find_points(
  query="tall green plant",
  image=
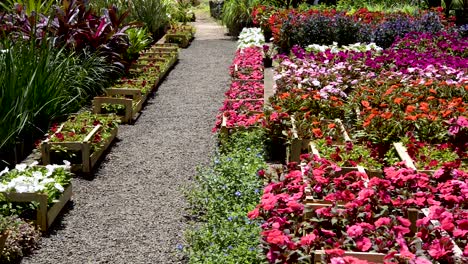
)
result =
(39, 83)
(30, 6)
(237, 15)
(152, 13)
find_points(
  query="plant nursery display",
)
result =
(82, 140)
(29, 188)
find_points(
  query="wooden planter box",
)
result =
(182, 39)
(168, 56)
(320, 256)
(298, 145)
(226, 131)
(88, 159)
(132, 111)
(45, 216)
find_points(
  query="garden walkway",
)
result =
(133, 210)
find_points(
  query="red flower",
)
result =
(253, 214)
(59, 136)
(276, 237)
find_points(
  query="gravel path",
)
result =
(133, 210)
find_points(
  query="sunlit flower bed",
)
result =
(365, 214)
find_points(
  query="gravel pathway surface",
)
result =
(133, 210)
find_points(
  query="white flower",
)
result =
(21, 167)
(3, 187)
(5, 171)
(47, 180)
(38, 175)
(67, 164)
(34, 163)
(21, 188)
(59, 187)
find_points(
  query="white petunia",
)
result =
(34, 163)
(37, 175)
(21, 167)
(59, 187)
(21, 188)
(5, 171)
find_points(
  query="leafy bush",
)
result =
(224, 194)
(151, 13)
(22, 240)
(236, 15)
(40, 83)
(139, 39)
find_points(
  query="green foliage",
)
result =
(39, 83)
(180, 11)
(351, 6)
(223, 196)
(139, 39)
(152, 13)
(22, 240)
(30, 6)
(237, 15)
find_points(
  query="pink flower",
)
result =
(363, 244)
(405, 222)
(308, 239)
(440, 248)
(253, 214)
(382, 221)
(354, 231)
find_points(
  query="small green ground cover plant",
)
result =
(224, 194)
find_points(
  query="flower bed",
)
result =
(243, 105)
(364, 215)
(46, 189)
(82, 139)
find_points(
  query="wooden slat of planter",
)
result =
(82, 146)
(135, 93)
(128, 103)
(403, 153)
(95, 156)
(294, 149)
(456, 250)
(320, 256)
(184, 39)
(45, 216)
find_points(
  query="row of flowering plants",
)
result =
(291, 27)
(418, 86)
(366, 215)
(127, 96)
(243, 105)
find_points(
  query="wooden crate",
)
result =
(45, 216)
(180, 38)
(88, 159)
(226, 131)
(132, 111)
(298, 144)
(320, 256)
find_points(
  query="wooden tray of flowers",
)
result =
(48, 206)
(90, 141)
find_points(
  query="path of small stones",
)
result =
(133, 210)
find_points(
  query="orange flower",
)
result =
(389, 91)
(304, 96)
(446, 113)
(432, 91)
(365, 104)
(386, 115)
(317, 132)
(398, 100)
(410, 109)
(411, 117)
(284, 95)
(331, 125)
(424, 107)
